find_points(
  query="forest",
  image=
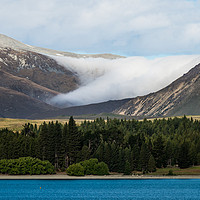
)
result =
(124, 145)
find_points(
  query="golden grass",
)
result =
(17, 124)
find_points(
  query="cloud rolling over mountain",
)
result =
(107, 79)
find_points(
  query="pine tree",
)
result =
(127, 170)
(64, 147)
(184, 159)
(84, 154)
(114, 157)
(151, 164)
(144, 157)
(159, 152)
(51, 143)
(43, 141)
(107, 154)
(73, 141)
(135, 156)
(58, 145)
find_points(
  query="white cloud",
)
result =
(104, 79)
(128, 27)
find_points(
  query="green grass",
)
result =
(177, 171)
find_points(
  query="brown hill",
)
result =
(29, 78)
(25, 86)
(14, 104)
(38, 68)
(180, 97)
(98, 108)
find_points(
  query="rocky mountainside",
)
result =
(38, 68)
(30, 78)
(179, 98)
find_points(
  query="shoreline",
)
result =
(93, 177)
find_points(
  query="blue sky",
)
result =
(125, 27)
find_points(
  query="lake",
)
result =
(100, 189)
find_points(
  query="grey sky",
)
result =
(125, 27)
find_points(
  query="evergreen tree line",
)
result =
(124, 145)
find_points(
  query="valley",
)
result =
(54, 84)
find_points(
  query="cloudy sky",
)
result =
(125, 27)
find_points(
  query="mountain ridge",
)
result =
(167, 101)
(6, 41)
(27, 73)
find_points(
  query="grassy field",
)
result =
(195, 117)
(17, 124)
(177, 171)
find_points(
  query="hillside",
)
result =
(18, 105)
(25, 86)
(30, 78)
(38, 68)
(104, 107)
(28, 73)
(9, 42)
(179, 98)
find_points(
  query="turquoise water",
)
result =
(100, 189)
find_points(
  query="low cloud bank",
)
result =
(104, 79)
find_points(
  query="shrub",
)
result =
(170, 173)
(88, 167)
(75, 170)
(26, 165)
(101, 169)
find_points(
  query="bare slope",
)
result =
(180, 97)
(104, 107)
(38, 68)
(25, 86)
(14, 104)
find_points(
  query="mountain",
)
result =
(98, 108)
(25, 86)
(18, 105)
(179, 98)
(8, 42)
(30, 78)
(38, 68)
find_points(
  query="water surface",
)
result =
(100, 189)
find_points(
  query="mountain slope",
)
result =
(38, 68)
(9, 42)
(25, 86)
(104, 107)
(17, 105)
(29, 78)
(180, 97)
